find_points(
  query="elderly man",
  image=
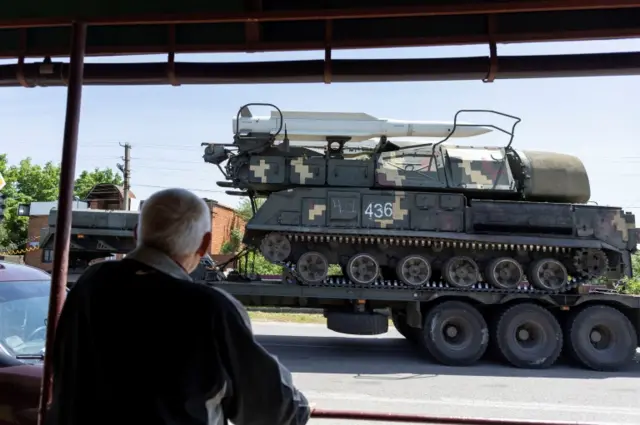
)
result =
(139, 343)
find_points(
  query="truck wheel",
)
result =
(399, 320)
(529, 336)
(455, 333)
(601, 338)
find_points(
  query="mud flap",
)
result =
(414, 315)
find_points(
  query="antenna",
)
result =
(285, 141)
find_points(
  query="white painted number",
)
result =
(377, 210)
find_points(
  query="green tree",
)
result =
(255, 261)
(244, 208)
(28, 182)
(232, 246)
(632, 286)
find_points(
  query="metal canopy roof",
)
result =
(42, 28)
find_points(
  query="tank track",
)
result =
(432, 286)
(436, 244)
(420, 242)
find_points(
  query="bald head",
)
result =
(176, 222)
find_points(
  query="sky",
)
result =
(591, 118)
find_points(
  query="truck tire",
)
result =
(528, 336)
(455, 333)
(601, 338)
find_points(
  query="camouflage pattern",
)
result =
(366, 209)
(504, 174)
(314, 212)
(264, 169)
(308, 171)
(608, 224)
(484, 169)
(413, 167)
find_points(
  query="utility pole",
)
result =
(126, 172)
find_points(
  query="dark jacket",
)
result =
(139, 343)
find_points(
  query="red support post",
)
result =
(65, 203)
(425, 419)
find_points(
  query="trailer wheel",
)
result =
(601, 338)
(455, 333)
(529, 336)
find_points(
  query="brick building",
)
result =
(224, 220)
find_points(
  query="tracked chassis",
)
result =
(308, 229)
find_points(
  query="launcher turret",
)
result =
(255, 148)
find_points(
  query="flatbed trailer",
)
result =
(599, 329)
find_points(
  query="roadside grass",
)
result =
(264, 316)
(288, 316)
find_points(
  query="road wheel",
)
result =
(601, 338)
(363, 269)
(413, 270)
(399, 319)
(275, 247)
(504, 273)
(548, 274)
(461, 272)
(529, 336)
(455, 333)
(312, 267)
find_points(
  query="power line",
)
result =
(188, 188)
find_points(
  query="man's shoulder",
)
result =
(218, 296)
(224, 303)
(98, 271)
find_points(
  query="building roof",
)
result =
(42, 28)
(226, 207)
(107, 191)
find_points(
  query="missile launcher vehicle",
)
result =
(422, 215)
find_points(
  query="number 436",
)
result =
(379, 210)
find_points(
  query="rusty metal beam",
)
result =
(568, 35)
(471, 8)
(314, 71)
(65, 202)
(252, 33)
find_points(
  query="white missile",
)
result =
(317, 126)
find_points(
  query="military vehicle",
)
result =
(419, 214)
(463, 247)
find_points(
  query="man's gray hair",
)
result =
(174, 222)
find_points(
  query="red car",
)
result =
(24, 302)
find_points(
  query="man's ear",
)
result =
(205, 245)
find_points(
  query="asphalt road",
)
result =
(383, 373)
